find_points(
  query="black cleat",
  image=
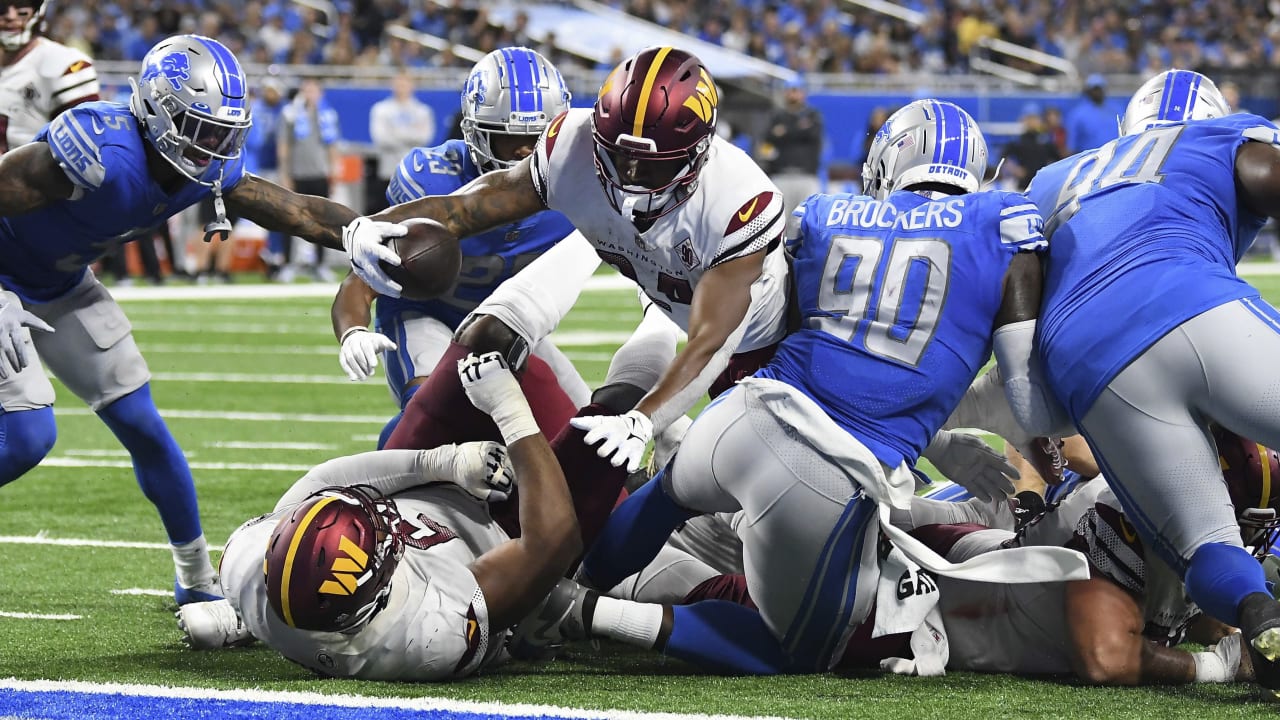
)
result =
(1260, 621)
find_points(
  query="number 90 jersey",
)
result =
(733, 211)
(898, 300)
(488, 258)
(1146, 229)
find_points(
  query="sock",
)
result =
(191, 561)
(633, 535)
(158, 462)
(390, 427)
(725, 637)
(26, 436)
(440, 413)
(1220, 576)
(627, 621)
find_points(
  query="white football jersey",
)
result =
(733, 211)
(47, 78)
(435, 625)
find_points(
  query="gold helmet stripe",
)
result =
(294, 542)
(647, 88)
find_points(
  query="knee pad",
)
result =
(487, 333)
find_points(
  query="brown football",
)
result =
(430, 258)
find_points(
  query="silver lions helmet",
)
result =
(192, 100)
(1170, 97)
(31, 13)
(928, 141)
(511, 91)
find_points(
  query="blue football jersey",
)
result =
(1145, 234)
(488, 258)
(899, 299)
(102, 150)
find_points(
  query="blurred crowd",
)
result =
(1142, 36)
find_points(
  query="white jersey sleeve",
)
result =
(49, 78)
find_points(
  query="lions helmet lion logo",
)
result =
(175, 67)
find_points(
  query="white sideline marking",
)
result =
(229, 349)
(122, 453)
(366, 438)
(443, 705)
(70, 462)
(143, 591)
(245, 445)
(245, 415)
(42, 539)
(202, 377)
(38, 616)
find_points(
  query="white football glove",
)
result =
(622, 438)
(973, 464)
(358, 355)
(484, 470)
(13, 345)
(494, 391)
(365, 243)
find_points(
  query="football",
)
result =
(430, 258)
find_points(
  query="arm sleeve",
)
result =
(388, 471)
(1033, 403)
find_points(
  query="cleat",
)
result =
(555, 620)
(204, 592)
(212, 625)
(1260, 621)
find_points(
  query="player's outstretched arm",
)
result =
(359, 347)
(1258, 177)
(310, 217)
(717, 320)
(30, 178)
(493, 199)
(518, 574)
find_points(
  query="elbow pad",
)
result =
(1033, 404)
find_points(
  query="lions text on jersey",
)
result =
(102, 151)
(898, 299)
(1177, 230)
(488, 258)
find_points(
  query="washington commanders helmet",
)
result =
(1170, 97)
(511, 91)
(653, 124)
(192, 100)
(928, 141)
(1252, 474)
(329, 562)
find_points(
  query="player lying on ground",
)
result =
(507, 101)
(816, 445)
(98, 175)
(312, 637)
(687, 216)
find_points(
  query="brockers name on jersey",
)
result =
(734, 210)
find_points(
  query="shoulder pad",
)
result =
(753, 226)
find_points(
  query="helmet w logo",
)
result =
(346, 570)
(703, 104)
(175, 67)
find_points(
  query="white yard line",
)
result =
(244, 416)
(39, 616)
(265, 291)
(146, 592)
(70, 462)
(443, 706)
(247, 445)
(42, 539)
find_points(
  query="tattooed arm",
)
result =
(313, 218)
(493, 199)
(30, 179)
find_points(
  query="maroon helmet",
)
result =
(1251, 472)
(653, 124)
(330, 561)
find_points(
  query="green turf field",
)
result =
(253, 391)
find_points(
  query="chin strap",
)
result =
(220, 228)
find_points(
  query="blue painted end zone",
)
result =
(60, 705)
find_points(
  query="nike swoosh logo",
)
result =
(97, 129)
(555, 127)
(1128, 531)
(417, 164)
(745, 215)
